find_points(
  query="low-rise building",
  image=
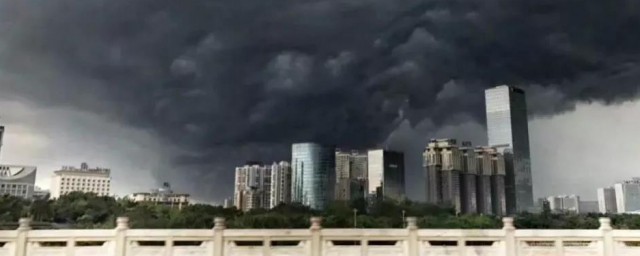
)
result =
(17, 180)
(162, 196)
(84, 179)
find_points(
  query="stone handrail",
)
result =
(317, 241)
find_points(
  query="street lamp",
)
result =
(355, 217)
(404, 223)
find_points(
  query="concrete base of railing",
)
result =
(317, 241)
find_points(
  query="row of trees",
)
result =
(80, 210)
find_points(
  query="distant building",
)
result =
(385, 174)
(313, 174)
(228, 203)
(39, 193)
(84, 179)
(607, 200)
(280, 184)
(17, 180)
(507, 129)
(161, 196)
(628, 195)
(1, 136)
(351, 172)
(252, 187)
(564, 203)
(588, 207)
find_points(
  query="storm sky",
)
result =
(183, 91)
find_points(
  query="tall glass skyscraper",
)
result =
(313, 174)
(508, 130)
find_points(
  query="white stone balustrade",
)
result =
(317, 241)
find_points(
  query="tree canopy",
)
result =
(87, 210)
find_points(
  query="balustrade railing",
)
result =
(316, 241)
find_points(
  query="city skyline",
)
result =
(183, 92)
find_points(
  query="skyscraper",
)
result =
(607, 200)
(385, 174)
(351, 172)
(252, 187)
(280, 183)
(313, 174)
(507, 129)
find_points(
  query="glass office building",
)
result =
(313, 174)
(507, 129)
(386, 174)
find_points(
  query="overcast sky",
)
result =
(184, 91)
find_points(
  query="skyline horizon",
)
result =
(41, 184)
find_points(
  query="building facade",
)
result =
(564, 203)
(351, 175)
(161, 196)
(280, 183)
(17, 180)
(507, 129)
(313, 174)
(84, 179)
(252, 187)
(607, 200)
(627, 195)
(385, 174)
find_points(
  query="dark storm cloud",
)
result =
(230, 81)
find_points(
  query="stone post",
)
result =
(607, 238)
(24, 225)
(316, 238)
(122, 225)
(412, 239)
(218, 236)
(509, 229)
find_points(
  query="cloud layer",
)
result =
(228, 81)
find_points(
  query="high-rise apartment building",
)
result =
(491, 181)
(443, 164)
(252, 187)
(607, 200)
(351, 175)
(313, 174)
(280, 183)
(84, 179)
(628, 195)
(469, 179)
(18, 181)
(507, 129)
(385, 177)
